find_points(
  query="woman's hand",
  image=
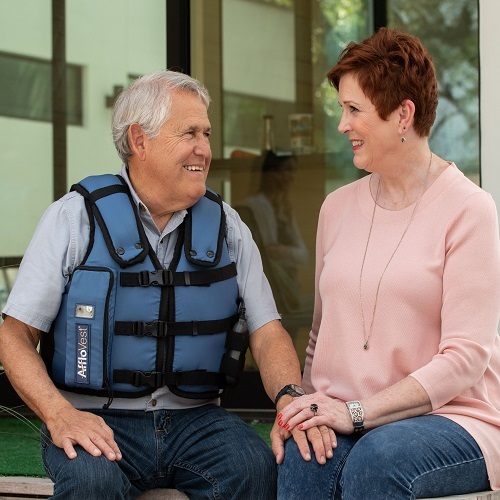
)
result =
(322, 440)
(315, 410)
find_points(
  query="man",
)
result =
(136, 402)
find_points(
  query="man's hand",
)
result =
(28, 375)
(321, 438)
(278, 437)
(72, 427)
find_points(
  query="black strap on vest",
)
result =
(159, 379)
(166, 277)
(101, 192)
(165, 329)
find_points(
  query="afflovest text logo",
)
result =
(82, 353)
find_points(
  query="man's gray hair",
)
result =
(147, 102)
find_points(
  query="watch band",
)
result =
(357, 414)
(291, 389)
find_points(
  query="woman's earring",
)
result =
(403, 138)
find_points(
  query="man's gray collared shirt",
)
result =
(59, 245)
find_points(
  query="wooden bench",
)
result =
(24, 488)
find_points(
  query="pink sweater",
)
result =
(438, 306)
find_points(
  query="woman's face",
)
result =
(372, 138)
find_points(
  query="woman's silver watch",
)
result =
(357, 414)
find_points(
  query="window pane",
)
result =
(26, 153)
(101, 58)
(336, 23)
(449, 30)
(274, 60)
(115, 42)
(26, 85)
(7, 277)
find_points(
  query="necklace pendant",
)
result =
(365, 347)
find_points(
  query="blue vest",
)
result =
(127, 326)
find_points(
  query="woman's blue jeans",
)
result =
(427, 456)
(206, 452)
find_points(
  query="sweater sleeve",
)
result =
(470, 298)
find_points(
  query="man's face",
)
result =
(176, 165)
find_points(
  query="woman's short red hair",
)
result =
(391, 66)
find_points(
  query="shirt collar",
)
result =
(174, 222)
(124, 173)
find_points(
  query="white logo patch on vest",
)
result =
(82, 353)
(84, 311)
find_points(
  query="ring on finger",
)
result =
(314, 408)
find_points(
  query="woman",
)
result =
(403, 360)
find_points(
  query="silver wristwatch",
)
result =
(292, 389)
(357, 415)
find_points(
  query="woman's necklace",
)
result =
(365, 336)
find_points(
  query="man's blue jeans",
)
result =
(206, 452)
(427, 456)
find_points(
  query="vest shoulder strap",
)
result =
(112, 207)
(205, 226)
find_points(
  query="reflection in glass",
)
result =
(270, 214)
(334, 25)
(449, 29)
(26, 84)
(7, 276)
(274, 60)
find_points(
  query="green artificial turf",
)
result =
(263, 430)
(20, 449)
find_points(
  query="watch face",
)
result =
(295, 390)
(290, 389)
(356, 411)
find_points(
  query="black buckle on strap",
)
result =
(149, 329)
(151, 379)
(163, 277)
